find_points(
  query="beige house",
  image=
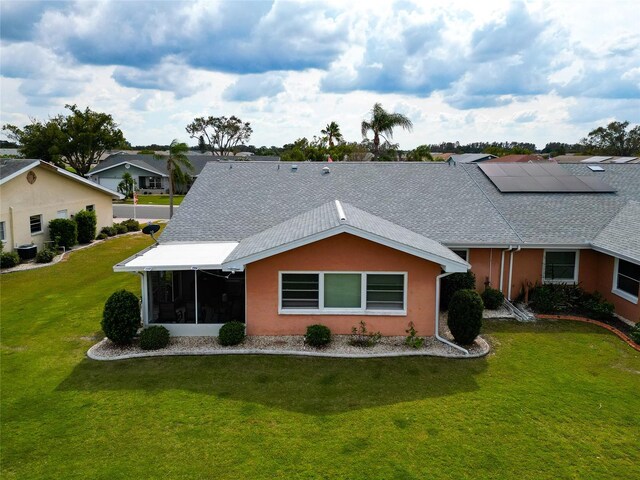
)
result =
(34, 192)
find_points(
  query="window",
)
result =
(90, 208)
(2, 232)
(343, 292)
(35, 224)
(560, 266)
(463, 253)
(154, 182)
(61, 214)
(626, 280)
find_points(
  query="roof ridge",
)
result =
(341, 215)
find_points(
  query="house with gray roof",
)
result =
(283, 246)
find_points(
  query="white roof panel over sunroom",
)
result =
(179, 256)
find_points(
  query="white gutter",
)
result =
(511, 272)
(442, 339)
(502, 265)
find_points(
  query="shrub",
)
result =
(361, 337)
(412, 339)
(595, 306)
(9, 259)
(492, 298)
(317, 336)
(132, 225)
(154, 338)
(635, 334)
(465, 316)
(121, 317)
(120, 229)
(231, 333)
(45, 256)
(86, 222)
(452, 283)
(546, 299)
(109, 231)
(63, 232)
(102, 236)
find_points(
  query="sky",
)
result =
(529, 71)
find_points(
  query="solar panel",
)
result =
(595, 159)
(541, 178)
(623, 159)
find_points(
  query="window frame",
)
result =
(465, 250)
(576, 266)
(362, 310)
(3, 231)
(90, 208)
(614, 286)
(156, 180)
(38, 232)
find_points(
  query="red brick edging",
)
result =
(576, 318)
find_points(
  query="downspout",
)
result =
(502, 264)
(143, 303)
(511, 271)
(13, 237)
(442, 339)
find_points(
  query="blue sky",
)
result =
(461, 70)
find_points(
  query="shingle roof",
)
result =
(326, 220)
(621, 236)
(454, 205)
(10, 166)
(471, 157)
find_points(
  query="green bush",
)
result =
(412, 339)
(595, 306)
(317, 336)
(45, 256)
(102, 236)
(546, 299)
(9, 259)
(361, 337)
(563, 298)
(109, 231)
(635, 334)
(231, 333)
(465, 316)
(492, 298)
(154, 338)
(120, 229)
(86, 222)
(63, 232)
(132, 225)
(121, 317)
(452, 283)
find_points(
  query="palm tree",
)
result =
(176, 162)
(331, 133)
(382, 124)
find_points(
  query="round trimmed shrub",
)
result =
(109, 231)
(231, 333)
(154, 338)
(465, 316)
(45, 256)
(452, 283)
(492, 298)
(121, 317)
(9, 259)
(102, 236)
(635, 334)
(317, 336)
(87, 223)
(120, 229)
(132, 225)
(63, 232)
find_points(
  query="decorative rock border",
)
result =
(101, 351)
(577, 318)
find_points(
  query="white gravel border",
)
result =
(106, 350)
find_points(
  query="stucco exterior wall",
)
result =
(50, 193)
(342, 252)
(604, 284)
(113, 176)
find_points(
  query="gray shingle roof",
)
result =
(326, 219)
(621, 235)
(452, 205)
(9, 166)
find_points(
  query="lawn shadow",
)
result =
(316, 386)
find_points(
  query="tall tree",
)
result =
(222, 134)
(332, 132)
(382, 124)
(614, 139)
(127, 185)
(177, 165)
(78, 139)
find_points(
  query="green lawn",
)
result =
(155, 200)
(554, 400)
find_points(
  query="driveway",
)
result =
(150, 212)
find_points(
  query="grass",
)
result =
(155, 200)
(554, 400)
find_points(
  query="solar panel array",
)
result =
(541, 178)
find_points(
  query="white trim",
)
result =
(619, 255)
(19, 172)
(128, 162)
(576, 267)
(322, 310)
(39, 232)
(448, 265)
(191, 329)
(614, 289)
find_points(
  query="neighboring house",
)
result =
(470, 157)
(284, 246)
(150, 173)
(591, 159)
(33, 192)
(530, 158)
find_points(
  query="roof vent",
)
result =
(294, 168)
(326, 170)
(341, 214)
(595, 168)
